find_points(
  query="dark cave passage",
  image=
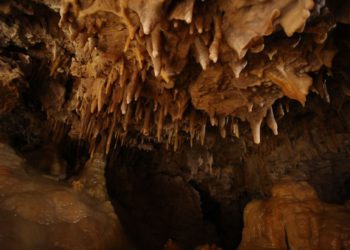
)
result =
(156, 204)
(197, 194)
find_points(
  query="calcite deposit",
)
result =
(37, 213)
(165, 69)
(178, 112)
(295, 218)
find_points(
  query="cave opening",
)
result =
(156, 204)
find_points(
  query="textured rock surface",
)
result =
(119, 84)
(221, 177)
(116, 68)
(38, 213)
(294, 218)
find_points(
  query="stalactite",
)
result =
(271, 122)
(280, 110)
(124, 104)
(238, 66)
(191, 28)
(214, 47)
(127, 117)
(138, 91)
(93, 106)
(112, 78)
(146, 121)
(129, 25)
(156, 41)
(258, 47)
(321, 87)
(326, 94)
(166, 108)
(235, 128)
(156, 61)
(199, 24)
(222, 126)
(213, 120)
(206, 38)
(117, 45)
(123, 78)
(255, 127)
(88, 132)
(271, 53)
(96, 128)
(201, 53)
(101, 95)
(91, 43)
(286, 105)
(131, 87)
(138, 111)
(139, 57)
(122, 75)
(155, 107)
(116, 99)
(250, 107)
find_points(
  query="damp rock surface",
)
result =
(39, 213)
(295, 218)
(179, 112)
(164, 70)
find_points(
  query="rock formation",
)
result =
(37, 213)
(295, 218)
(157, 106)
(164, 69)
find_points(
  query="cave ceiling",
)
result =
(163, 70)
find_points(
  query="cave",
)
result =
(174, 124)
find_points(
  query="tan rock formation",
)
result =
(38, 213)
(98, 76)
(294, 218)
(145, 66)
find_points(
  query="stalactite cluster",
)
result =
(185, 65)
(12, 80)
(94, 85)
(167, 70)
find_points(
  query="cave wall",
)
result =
(130, 83)
(40, 213)
(295, 218)
(171, 195)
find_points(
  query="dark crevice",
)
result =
(286, 239)
(211, 210)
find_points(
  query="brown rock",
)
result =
(294, 218)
